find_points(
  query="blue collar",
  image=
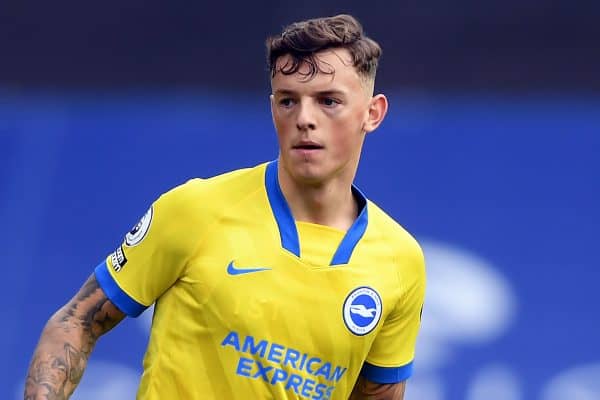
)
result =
(287, 225)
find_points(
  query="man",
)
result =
(280, 281)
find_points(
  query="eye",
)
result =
(286, 102)
(329, 101)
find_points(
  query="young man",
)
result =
(280, 281)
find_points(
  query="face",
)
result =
(321, 122)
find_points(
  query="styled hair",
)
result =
(301, 40)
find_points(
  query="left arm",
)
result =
(365, 389)
(392, 352)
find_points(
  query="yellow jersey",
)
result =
(251, 304)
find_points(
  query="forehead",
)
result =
(335, 70)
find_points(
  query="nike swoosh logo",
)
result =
(232, 270)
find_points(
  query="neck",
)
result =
(331, 203)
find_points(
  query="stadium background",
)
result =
(488, 155)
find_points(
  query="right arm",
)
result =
(66, 342)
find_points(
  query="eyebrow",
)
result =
(288, 92)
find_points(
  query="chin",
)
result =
(309, 172)
(306, 173)
(308, 177)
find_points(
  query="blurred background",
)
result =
(488, 156)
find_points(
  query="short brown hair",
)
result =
(301, 40)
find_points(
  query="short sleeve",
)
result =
(153, 255)
(390, 358)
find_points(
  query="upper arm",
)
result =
(389, 362)
(90, 310)
(390, 358)
(154, 254)
(365, 389)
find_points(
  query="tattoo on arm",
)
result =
(76, 362)
(67, 341)
(367, 390)
(91, 310)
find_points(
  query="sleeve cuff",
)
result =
(386, 374)
(115, 294)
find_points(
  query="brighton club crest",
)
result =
(362, 310)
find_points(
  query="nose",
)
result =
(305, 119)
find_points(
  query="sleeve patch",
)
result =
(139, 231)
(118, 259)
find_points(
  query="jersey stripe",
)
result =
(386, 374)
(118, 297)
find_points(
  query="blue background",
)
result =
(512, 179)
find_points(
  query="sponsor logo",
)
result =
(233, 270)
(139, 231)
(306, 375)
(118, 259)
(362, 310)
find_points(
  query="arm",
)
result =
(66, 342)
(391, 355)
(364, 389)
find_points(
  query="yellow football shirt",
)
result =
(250, 304)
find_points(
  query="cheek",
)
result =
(278, 121)
(282, 129)
(351, 119)
(343, 141)
(348, 130)
(347, 139)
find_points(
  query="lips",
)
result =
(307, 145)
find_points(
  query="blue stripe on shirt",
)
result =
(115, 294)
(386, 374)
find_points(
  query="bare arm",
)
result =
(367, 390)
(66, 342)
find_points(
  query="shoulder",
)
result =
(212, 194)
(390, 231)
(402, 245)
(188, 211)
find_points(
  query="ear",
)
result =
(377, 109)
(272, 101)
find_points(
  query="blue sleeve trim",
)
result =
(116, 295)
(386, 374)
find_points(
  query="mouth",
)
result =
(307, 146)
